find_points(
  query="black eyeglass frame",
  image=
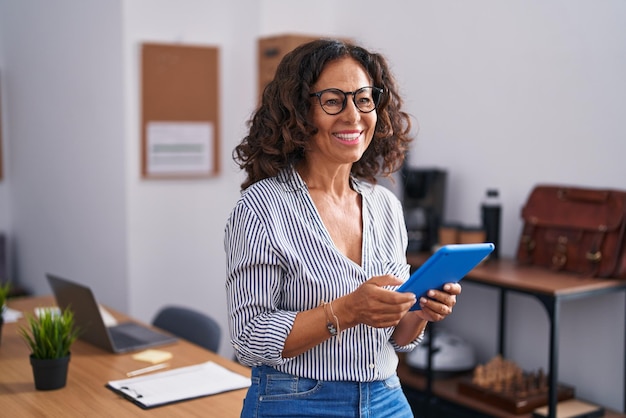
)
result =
(377, 94)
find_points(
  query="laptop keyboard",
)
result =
(130, 334)
(123, 339)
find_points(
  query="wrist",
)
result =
(343, 312)
(332, 322)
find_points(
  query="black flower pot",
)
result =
(50, 374)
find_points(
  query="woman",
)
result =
(315, 248)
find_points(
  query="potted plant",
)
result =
(5, 288)
(50, 336)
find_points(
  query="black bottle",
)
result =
(491, 212)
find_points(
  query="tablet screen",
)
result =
(449, 264)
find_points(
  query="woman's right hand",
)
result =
(374, 305)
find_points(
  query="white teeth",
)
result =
(348, 137)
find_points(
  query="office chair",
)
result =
(191, 325)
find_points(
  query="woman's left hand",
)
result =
(438, 304)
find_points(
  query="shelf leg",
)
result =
(502, 322)
(554, 342)
(552, 306)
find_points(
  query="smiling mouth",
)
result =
(348, 137)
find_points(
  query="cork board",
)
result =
(180, 111)
(1, 156)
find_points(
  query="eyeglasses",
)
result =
(333, 101)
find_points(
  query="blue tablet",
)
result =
(449, 264)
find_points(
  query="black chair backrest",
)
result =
(191, 325)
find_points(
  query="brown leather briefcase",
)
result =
(578, 230)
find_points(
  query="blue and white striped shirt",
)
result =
(282, 260)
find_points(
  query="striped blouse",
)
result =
(282, 260)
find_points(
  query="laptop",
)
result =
(119, 338)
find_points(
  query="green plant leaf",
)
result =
(50, 335)
(5, 289)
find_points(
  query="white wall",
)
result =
(506, 94)
(4, 185)
(63, 97)
(175, 228)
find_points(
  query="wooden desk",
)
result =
(90, 369)
(550, 288)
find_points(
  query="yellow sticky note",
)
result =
(153, 356)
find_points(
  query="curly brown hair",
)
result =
(280, 128)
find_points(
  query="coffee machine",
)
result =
(423, 198)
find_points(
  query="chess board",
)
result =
(502, 384)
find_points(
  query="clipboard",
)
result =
(178, 385)
(449, 264)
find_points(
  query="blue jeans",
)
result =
(277, 394)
